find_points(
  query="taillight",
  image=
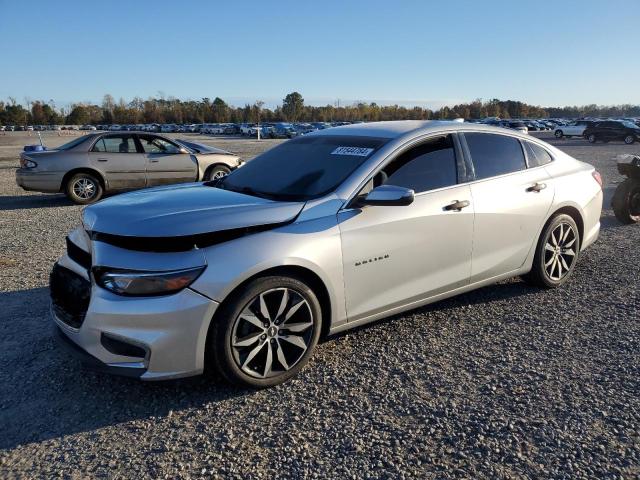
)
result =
(597, 177)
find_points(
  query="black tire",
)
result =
(626, 201)
(215, 172)
(227, 323)
(543, 259)
(559, 134)
(592, 138)
(84, 188)
(629, 139)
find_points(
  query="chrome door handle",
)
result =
(103, 159)
(458, 205)
(537, 187)
(151, 160)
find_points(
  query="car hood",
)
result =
(184, 210)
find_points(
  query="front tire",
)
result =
(629, 139)
(592, 138)
(626, 201)
(556, 253)
(559, 134)
(83, 189)
(216, 172)
(266, 333)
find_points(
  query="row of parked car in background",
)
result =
(592, 129)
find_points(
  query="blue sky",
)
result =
(408, 52)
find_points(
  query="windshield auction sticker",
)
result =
(353, 151)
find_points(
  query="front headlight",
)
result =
(135, 283)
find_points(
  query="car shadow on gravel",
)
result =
(505, 290)
(49, 394)
(23, 202)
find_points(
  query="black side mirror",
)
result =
(388, 195)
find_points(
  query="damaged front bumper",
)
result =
(151, 338)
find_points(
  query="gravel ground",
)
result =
(504, 382)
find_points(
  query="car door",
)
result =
(117, 156)
(166, 162)
(395, 255)
(510, 202)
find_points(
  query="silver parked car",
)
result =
(320, 234)
(89, 166)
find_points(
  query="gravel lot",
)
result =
(504, 382)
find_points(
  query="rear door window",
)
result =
(494, 155)
(116, 144)
(536, 155)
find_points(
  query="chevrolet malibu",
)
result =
(89, 166)
(320, 234)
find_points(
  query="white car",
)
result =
(573, 129)
(320, 234)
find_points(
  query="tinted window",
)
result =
(304, 167)
(116, 144)
(537, 155)
(73, 143)
(426, 167)
(151, 144)
(494, 155)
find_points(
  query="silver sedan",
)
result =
(320, 234)
(92, 165)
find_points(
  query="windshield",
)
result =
(302, 168)
(73, 143)
(630, 124)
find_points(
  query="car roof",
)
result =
(399, 128)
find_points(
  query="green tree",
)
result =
(293, 106)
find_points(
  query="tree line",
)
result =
(292, 109)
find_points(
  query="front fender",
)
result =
(313, 245)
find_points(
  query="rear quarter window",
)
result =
(536, 155)
(494, 155)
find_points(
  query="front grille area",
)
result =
(78, 255)
(70, 295)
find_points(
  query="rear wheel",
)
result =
(83, 188)
(216, 172)
(592, 138)
(266, 333)
(559, 134)
(556, 253)
(626, 201)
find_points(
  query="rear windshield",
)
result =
(73, 143)
(303, 168)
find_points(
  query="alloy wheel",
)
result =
(560, 251)
(272, 333)
(84, 188)
(219, 174)
(628, 139)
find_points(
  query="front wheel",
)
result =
(216, 172)
(266, 333)
(83, 188)
(556, 253)
(629, 139)
(626, 201)
(558, 134)
(592, 138)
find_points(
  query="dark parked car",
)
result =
(283, 130)
(609, 130)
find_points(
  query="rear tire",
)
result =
(559, 134)
(626, 201)
(262, 336)
(83, 189)
(556, 254)
(592, 138)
